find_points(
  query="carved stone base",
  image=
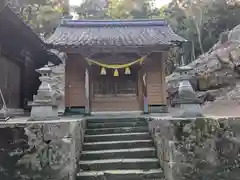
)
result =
(87, 114)
(158, 109)
(75, 110)
(46, 112)
(189, 110)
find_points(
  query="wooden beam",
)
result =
(88, 50)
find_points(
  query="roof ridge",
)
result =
(113, 22)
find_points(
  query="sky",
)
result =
(159, 3)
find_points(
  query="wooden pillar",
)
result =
(23, 88)
(141, 87)
(29, 82)
(163, 77)
(144, 87)
(87, 92)
(145, 98)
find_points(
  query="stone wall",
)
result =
(197, 148)
(37, 151)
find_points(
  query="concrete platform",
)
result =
(223, 110)
(121, 175)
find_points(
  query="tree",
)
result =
(92, 9)
(117, 9)
(42, 15)
(203, 21)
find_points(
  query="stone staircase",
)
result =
(118, 149)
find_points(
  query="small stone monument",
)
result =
(3, 110)
(44, 104)
(186, 98)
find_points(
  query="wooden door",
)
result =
(75, 83)
(114, 93)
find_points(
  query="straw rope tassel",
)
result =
(127, 70)
(103, 71)
(116, 73)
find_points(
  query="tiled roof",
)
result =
(113, 33)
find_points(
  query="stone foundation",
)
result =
(197, 149)
(41, 150)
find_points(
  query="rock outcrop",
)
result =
(215, 72)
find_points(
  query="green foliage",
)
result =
(42, 15)
(91, 9)
(203, 21)
(118, 9)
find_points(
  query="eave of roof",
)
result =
(127, 33)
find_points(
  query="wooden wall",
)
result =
(121, 103)
(75, 81)
(10, 78)
(156, 87)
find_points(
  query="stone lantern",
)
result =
(186, 98)
(44, 104)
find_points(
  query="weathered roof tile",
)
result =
(113, 33)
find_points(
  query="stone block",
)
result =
(174, 171)
(189, 111)
(169, 150)
(47, 112)
(160, 148)
(56, 130)
(164, 127)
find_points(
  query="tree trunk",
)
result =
(199, 38)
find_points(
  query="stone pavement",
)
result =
(25, 120)
(215, 110)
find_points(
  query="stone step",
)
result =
(105, 120)
(117, 137)
(116, 124)
(111, 164)
(117, 130)
(117, 145)
(119, 153)
(152, 174)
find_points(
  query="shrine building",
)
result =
(115, 65)
(21, 52)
